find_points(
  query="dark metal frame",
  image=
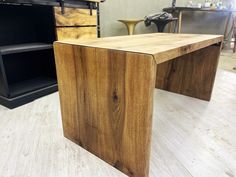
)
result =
(4, 90)
(98, 21)
(67, 3)
(173, 3)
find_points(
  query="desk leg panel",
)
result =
(192, 74)
(66, 75)
(114, 104)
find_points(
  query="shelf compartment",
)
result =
(27, 97)
(30, 85)
(19, 48)
(27, 66)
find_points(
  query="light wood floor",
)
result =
(191, 138)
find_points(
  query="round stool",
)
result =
(130, 24)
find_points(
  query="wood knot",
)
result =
(115, 97)
(186, 48)
(79, 143)
(120, 166)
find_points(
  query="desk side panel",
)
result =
(113, 104)
(67, 85)
(192, 74)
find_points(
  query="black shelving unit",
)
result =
(27, 68)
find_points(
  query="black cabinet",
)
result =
(27, 67)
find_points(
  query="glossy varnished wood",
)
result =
(75, 23)
(103, 113)
(75, 17)
(192, 74)
(76, 33)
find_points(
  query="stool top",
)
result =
(131, 20)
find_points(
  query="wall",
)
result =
(113, 10)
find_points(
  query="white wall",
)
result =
(113, 10)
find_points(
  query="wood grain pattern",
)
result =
(111, 91)
(76, 33)
(162, 46)
(112, 122)
(192, 74)
(75, 17)
(69, 105)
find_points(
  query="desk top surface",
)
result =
(163, 46)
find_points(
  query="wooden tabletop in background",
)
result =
(171, 9)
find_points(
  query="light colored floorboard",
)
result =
(32, 145)
(228, 61)
(191, 138)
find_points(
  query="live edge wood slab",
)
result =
(106, 89)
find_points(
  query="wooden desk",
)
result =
(106, 89)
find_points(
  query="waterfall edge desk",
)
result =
(106, 89)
